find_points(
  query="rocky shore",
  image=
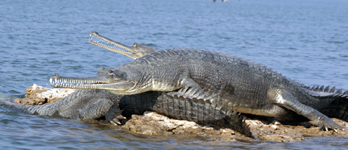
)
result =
(151, 123)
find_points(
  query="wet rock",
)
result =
(153, 124)
(273, 132)
(38, 95)
(262, 129)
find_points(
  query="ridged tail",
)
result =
(83, 104)
(91, 104)
(337, 109)
(199, 111)
(51, 110)
(337, 106)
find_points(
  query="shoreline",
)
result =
(151, 123)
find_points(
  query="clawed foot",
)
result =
(116, 120)
(114, 115)
(326, 123)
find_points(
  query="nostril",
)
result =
(55, 76)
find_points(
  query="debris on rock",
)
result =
(38, 95)
(151, 123)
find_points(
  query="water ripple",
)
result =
(304, 40)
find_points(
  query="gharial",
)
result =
(95, 103)
(218, 81)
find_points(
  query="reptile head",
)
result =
(113, 79)
(135, 51)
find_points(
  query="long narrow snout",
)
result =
(110, 45)
(76, 83)
(98, 82)
(135, 51)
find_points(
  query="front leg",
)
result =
(100, 107)
(287, 100)
(114, 115)
(95, 108)
(190, 89)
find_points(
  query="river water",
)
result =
(305, 40)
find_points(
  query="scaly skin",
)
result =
(93, 104)
(335, 102)
(332, 103)
(82, 103)
(219, 80)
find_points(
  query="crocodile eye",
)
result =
(135, 44)
(110, 72)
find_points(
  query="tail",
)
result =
(337, 101)
(40, 110)
(237, 123)
(217, 113)
(83, 104)
(338, 108)
(8, 102)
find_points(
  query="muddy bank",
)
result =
(151, 123)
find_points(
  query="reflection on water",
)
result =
(304, 40)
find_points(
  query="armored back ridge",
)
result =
(220, 80)
(92, 103)
(202, 86)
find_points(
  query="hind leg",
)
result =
(287, 100)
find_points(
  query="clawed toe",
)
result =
(335, 128)
(326, 123)
(120, 117)
(116, 120)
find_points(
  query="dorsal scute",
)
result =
(327, 89)
(166, 54)
(151, 58)
(324, 91)
(141, 60)
(316, 88)
(322, 88)
(345, 93)
(332, 90)
(339, 91)
(159, 55)
(269, 72)
(311, 88)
